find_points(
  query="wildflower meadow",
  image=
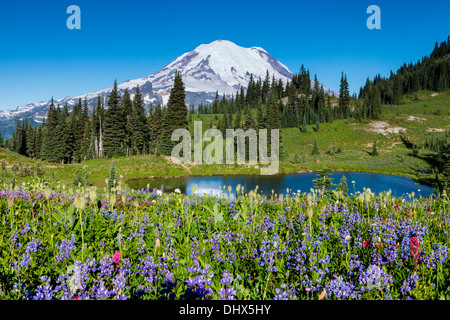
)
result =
(59, 243)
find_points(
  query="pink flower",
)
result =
(116, 257)
(379, 245)
(415, 250)
(365, 244)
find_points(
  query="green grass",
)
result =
(430, 111)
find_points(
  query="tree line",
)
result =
(122, 129)
(125, 128)
(430, 73)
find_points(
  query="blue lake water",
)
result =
(400, 186)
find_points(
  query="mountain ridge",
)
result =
(220, 66)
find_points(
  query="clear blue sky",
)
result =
(41, 58)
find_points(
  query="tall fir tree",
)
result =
(155, 123)
(114, 126)
(175, 116)
(323, 183)
(344, 97)
(127, 110)
(139, 128)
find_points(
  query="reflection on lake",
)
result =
(214, 185)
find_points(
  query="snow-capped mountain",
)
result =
(218, 66)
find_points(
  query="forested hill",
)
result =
(430, 73)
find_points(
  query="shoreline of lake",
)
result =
(377, 182)
(413, 177)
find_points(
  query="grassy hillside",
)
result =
(420, 117)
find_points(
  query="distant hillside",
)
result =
(430, 73)
(7, 126)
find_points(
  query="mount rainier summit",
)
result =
(220, 66)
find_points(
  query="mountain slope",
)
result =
(218, 66)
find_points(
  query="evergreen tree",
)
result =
(30, 136)
(446, 177)
(316, 128)
(127, 110)
(87, 145)
(155, 122)
(38, 142)
(177, 105)
(250, 98)
(397, 90)
(49, 138)
(114, 126)
(139, 128)
(273, 114)
(304, 81)
(303, 129)
(290, 114)
(260, 118)
(100, 126)
(374, 149)
(175, 116)
(215, 106)
(59, 139)
(343, 187)
(323, 183)
(237, 122)
(112, 180)
(242, 98)
(265, 88)
(163, 145)
(19, 138)
(315, 150)
(344, 97)
(249, 122)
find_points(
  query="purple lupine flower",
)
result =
(14, 239)
(440, 252)
(106, 267)
(119, 281)
(25, 260)
(410, 283)
(340, 288)
(375, 277)
(33, 246)
(283, 294)
(44, 292)
(65, 248)
(25, 228)
(227, 292)
(197, 286)
(100, 291)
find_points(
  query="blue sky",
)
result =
(41, 58)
